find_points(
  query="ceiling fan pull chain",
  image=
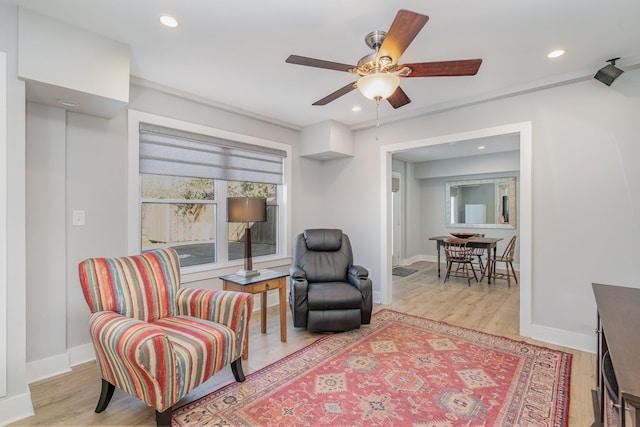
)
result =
(378, 111)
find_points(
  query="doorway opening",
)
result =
(523, 132)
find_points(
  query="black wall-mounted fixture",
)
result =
(608, 73)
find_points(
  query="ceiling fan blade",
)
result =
(403, 30)
(318, 63)
(467, 67)
(398, 98)
(337, 94)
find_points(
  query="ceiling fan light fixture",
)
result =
(378, 86)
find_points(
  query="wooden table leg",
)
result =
(438, 248)
(263, 312)
(283, 312)
(494, 257)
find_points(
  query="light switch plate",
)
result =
(78, 218)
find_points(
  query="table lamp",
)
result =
(247, 209)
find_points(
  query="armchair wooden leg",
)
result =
(105, 396)
(163, 419)
(236, 368)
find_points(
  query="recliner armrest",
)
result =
(297, 274)
(358, 272)
(359, 277)
(298, 300)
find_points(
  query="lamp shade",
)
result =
(246, 209)
(378, 85)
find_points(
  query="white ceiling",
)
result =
(233, 52)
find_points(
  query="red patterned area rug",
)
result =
(401, 370)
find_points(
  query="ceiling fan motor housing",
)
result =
(369, 64)
(374, 39)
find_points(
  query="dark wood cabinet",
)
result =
(618, 335)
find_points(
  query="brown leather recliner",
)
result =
(328, 293)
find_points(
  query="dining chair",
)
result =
(479, 254)
(507, 259)
(461, 256)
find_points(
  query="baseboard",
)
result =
(15, 408)
(408, 261)
(564, 338)
(81, 354)
(377, 297)
(47, 367)
(60, 363)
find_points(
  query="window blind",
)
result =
(165, 151)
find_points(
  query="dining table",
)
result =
(475, 242)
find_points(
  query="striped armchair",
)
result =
(156, 340)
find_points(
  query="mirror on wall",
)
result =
(481, 203)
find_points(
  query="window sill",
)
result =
(205, 272)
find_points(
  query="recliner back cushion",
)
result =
(142, 286)
(328, 262)
(322, 239)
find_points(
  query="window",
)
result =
(263, 234)
(179, 212)
(184, 180)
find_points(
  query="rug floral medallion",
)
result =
(400, 370)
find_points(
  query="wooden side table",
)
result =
(266, 281)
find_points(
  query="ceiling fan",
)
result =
(380, 72)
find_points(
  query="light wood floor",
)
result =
(70, 399)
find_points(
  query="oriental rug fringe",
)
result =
(400, 370)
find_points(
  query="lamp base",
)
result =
(248, 273)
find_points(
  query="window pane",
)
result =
(263, 234)
(252, 189)
(189, 228)
(176, 187)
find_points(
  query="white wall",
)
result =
(432, 216)
(46, 236)
(347, 204)
(472, 165)
(96, 182)
(16, 403)
(586, 193)
(3, 220)
(91, 156)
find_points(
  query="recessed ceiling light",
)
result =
(481, 147)
(356, 108)
(169, 21)
(555, 53)
(67, 103)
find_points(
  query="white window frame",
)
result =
(205, 271)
